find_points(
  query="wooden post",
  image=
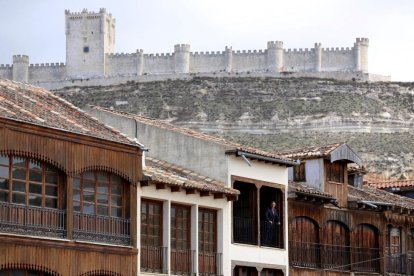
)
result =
(133, 230)
(258, 186)
(69, 207)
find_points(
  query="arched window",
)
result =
(15, 272)
(394, 251)
(365, 253)
(337, 250)
(98, 193)
(28, 182)
(304, 247)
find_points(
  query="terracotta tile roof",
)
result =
(302, 188)
(170, 174)
(392, 184)
(38, 106)
(310, 152)
(378, 197)
(232, 146)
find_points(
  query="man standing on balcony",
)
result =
(272, 221)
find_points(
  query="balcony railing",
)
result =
(270, 236)
(402, 264)
(154, 259)
(91, 227)
(245, 230)
(30, 220)
(209, 264)
(334, 257)
(182, 262)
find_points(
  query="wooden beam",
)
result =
(144, 183)
(160, 186)
(175, 189)
(190, 191)
(204, 193)
(232, 198)
(218, 195)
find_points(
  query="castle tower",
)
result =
(182, 58)
(21, 68)
(89, 37)
(361, 54)
(140, 62)
(275, 56)
(318, 57)
(228, 55)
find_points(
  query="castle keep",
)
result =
(90, 59)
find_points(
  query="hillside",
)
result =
(377, 119)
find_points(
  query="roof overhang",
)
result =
(344, 152)
(263, 158)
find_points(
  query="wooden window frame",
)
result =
(201, 232)
(335, 172)
(81, 190)
(174, 228)
(27, 182)
(299, 172)
(147, 225)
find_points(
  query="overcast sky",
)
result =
(36, 27)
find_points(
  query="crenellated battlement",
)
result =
(362, 40)
(20, 59)
(47, 65)
(6, 66)
(182, 48)
(112, 55)
(275, 45)
(337, 49)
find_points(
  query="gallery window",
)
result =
(98, 193)
(335, 172)
(28, 182)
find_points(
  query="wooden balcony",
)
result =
(33, 221)
(245, 231)
(91, 227)
(400, 264)
(182, 262)
(154, 259)
(333, 257)
(210, 264)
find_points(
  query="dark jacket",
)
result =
(270, 216)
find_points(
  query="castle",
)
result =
(90, 60)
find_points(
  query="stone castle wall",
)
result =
(90, 40)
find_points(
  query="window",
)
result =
(28, 182)
(151, 223)
(271, 272)
(245, 271)
(10, 272)
(335, 172)
(98, 193)
(86, 49)
(207, 230)
(180, 227)
(299, 172)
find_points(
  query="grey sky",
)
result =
(36, 27)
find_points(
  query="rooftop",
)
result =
(163, 172)
(392, 184)
(38, 106)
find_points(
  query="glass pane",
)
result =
(103, 210)
(4, 184)
(76, 195)
(19, 174)
(76, 206)
(51, 169)
(34, 273)
(89, 185)
(35, 188)
(4, 172)
(19, 162)
(19, 198)
(116, 200)
(36, 165)
(102, 188)
(35, 200)
(52, 178)
(17, 273)
(4, 196)
(19, 186)
(35, 175)
(51, 190)
(4, 160)
(116, 189)
(89, 175)
(102, 199)
(51, 202)
(76, 183)
(89, 196)
(88, 208)
(116, 212)
(103, 177)
(115, 179)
